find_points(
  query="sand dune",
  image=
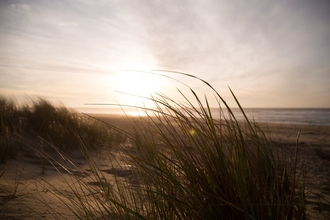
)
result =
(25, 192)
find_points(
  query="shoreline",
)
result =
(307, 116)
(133, 115)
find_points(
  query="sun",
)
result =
(137, 83)
(133, 85)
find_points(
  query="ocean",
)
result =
(311, 116)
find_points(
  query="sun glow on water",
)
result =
(137, 114)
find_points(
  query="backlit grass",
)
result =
(186, 164)
(45, 122)
(178, 162)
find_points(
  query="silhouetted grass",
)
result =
(186, 164)
(67, 129)
(181, 163)
(9, 143)
(56, 125)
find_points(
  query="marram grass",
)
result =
(187, 164)
(49, 123)
(184, 164)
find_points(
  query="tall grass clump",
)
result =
(53, 124)
(189, 164)
(8, 129)
(64, 128)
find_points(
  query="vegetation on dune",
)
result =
(186, 164)
(55, 125)
(182, 164)
(66, 129)
(8, 143)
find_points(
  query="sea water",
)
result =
(312, 116)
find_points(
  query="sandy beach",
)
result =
(27, 188)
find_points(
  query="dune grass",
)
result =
(45, 122)
(67, 129)
(9, 144)
(186, 164)
(182, 163)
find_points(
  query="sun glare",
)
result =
(136, 83)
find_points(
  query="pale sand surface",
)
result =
(35, 199)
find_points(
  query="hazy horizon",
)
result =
(310, 116)
(271, 54)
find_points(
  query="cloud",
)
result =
(69, 24)
(251, 46)
(236, 36)
(20, 7)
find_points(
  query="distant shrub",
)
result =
(62, 128)
(9, 143)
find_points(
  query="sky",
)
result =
(270, 53)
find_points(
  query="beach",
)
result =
(25, 192)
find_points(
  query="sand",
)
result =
(25, 192)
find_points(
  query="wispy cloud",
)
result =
(259, 48)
